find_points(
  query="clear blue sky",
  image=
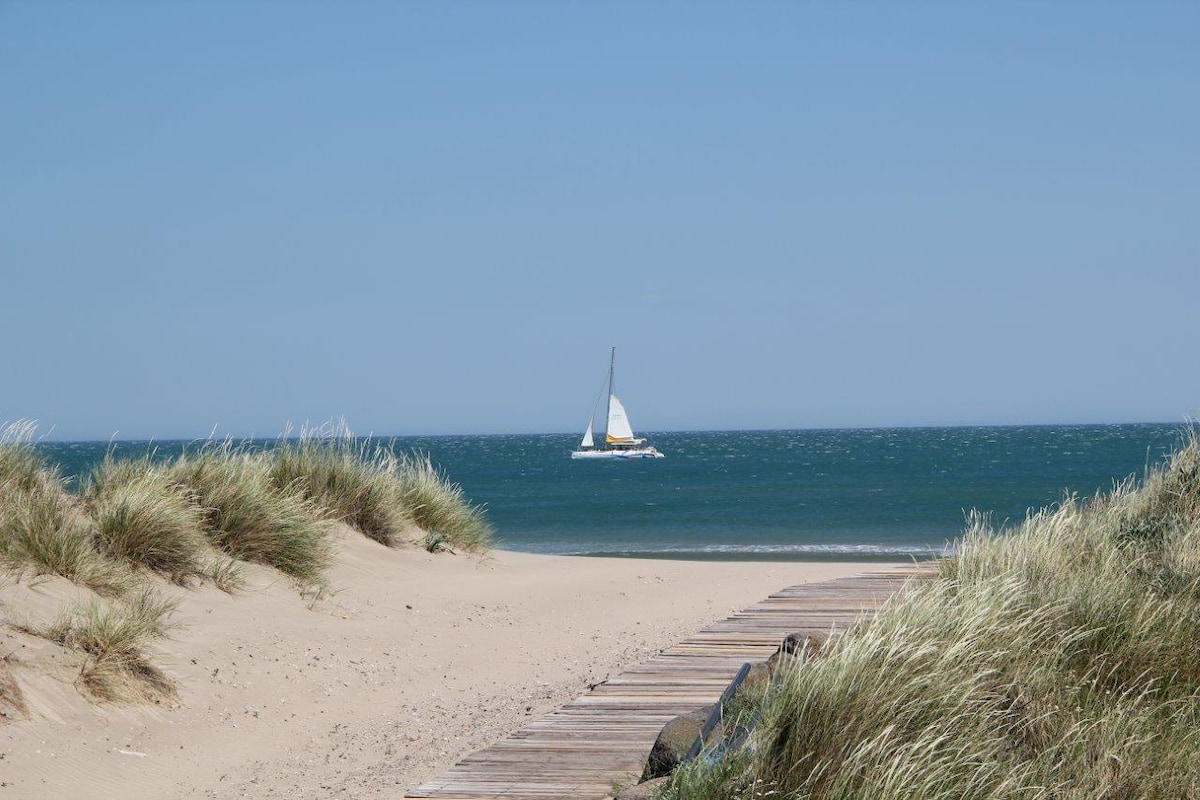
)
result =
(437, 217)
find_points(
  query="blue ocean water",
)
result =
(798, 494)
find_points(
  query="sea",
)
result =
(860, 494)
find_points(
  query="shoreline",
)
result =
(411, 662)
(768, 557)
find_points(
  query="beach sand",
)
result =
(411, 662)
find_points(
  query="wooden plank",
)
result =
(602, 738)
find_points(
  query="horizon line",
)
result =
(1183, 424)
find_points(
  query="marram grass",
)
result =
(113, 637)
(204, 514)
(1057, 660)
(22, 468)
(439, 506)
(141, 518)
(384, 496)
(207, 511)
(42, 527)
(355, 480)
(247, 516)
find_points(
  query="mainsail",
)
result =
(618, 430)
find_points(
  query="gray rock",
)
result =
(674, 741)
(810, 643)
(797, 647)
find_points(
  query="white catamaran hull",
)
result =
(641, 452)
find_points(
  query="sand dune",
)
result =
(412, 661)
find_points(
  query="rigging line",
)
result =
(596, 405)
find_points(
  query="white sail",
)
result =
(618, 431)
(587, 436)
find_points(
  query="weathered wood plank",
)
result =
(581, 750)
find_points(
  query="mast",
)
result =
(608, 411)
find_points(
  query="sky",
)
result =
(437, 218)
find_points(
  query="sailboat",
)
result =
(619, 441)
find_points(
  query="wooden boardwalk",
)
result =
(602, 739)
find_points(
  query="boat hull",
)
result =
(627, 454)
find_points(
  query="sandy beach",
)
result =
(410, 662)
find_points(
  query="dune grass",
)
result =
(140, 517)
(204, 515)
(249, 517)
(354, 479)
(226, 572)
(1057, 660)
(440, 507)
(22, 468)
(42, 527)
(273, 507)
(113, 637)
(385, 496)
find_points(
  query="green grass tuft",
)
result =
(42, 527)
(354, 479)
(22, 468)
(113, 637)
(440, 507)
(140, 517)
(226, 572)
(247, 516)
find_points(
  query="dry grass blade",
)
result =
(12, 699)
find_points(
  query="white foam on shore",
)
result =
(734, 550)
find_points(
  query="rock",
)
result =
(810, 643)
(643, 791)
(798, 646)
(674, 741)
